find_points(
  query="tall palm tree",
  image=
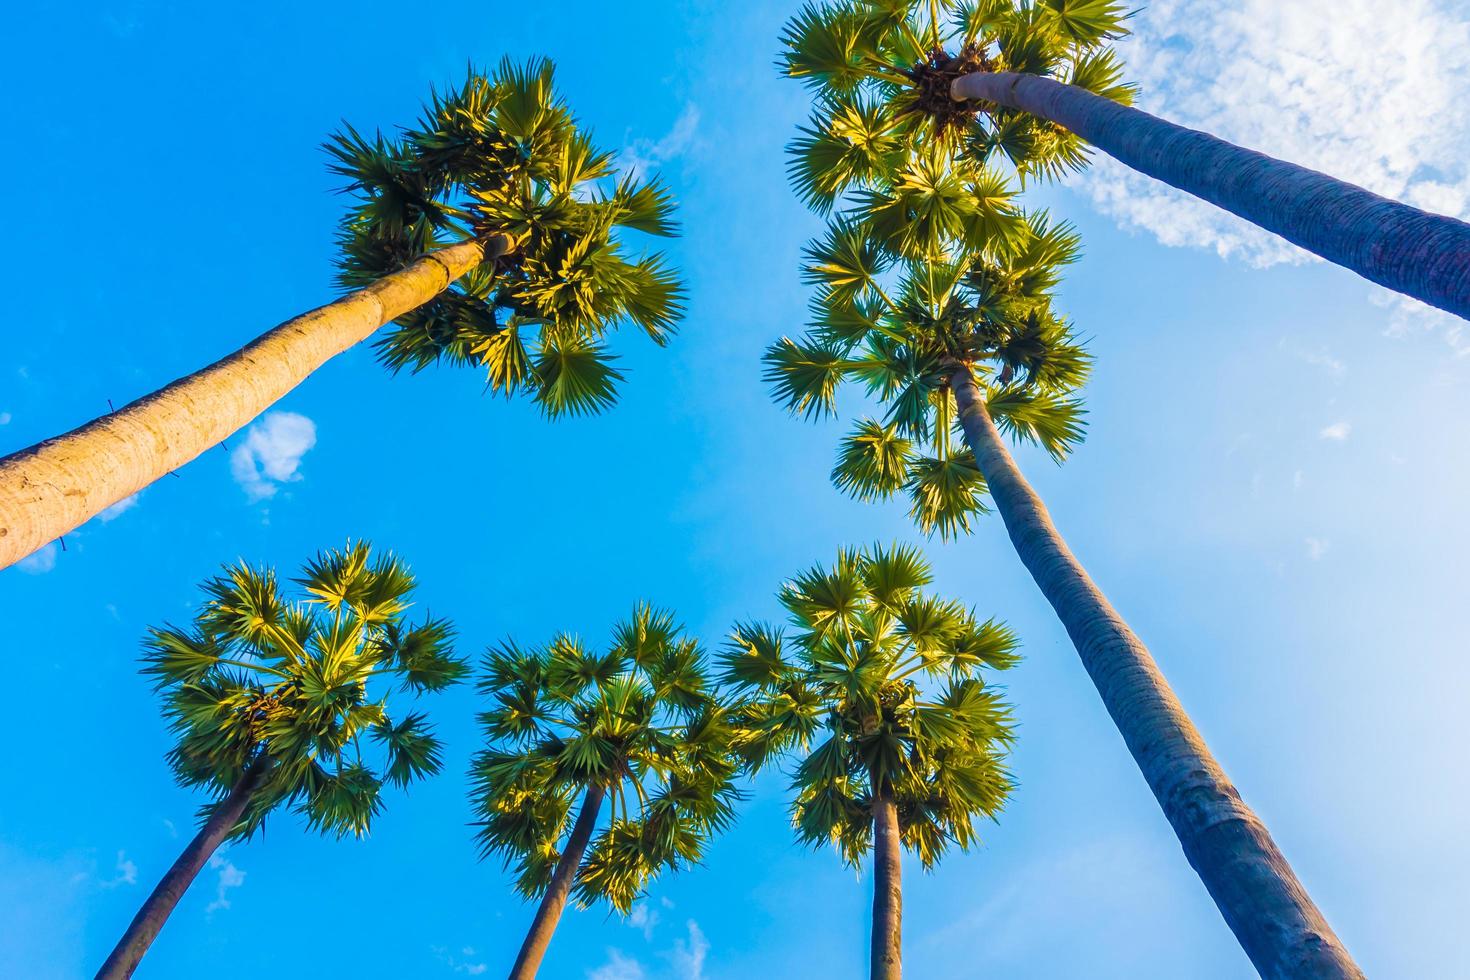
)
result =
(934, 291)
(886, 762)
(1025, 76)
(637, 727)
(270, 701)
(961, 348)
(489, 235)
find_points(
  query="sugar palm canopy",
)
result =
(896, 326)
(492, 233)
(879, 694)
(280, 703)
(637, 726)
(502, 157)
(940, 304)
(880, 73)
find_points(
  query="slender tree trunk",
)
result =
(1271, 914)
(54, 486)
(886, 958)
(1423, 255)
(156, 910)
(533, 950)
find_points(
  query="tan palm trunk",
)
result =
(1278, 925)
(548, 913)
(886, 957)
(54, 486)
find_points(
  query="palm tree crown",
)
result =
(844, 693)
(881, 72)
(260, 682)
(639, 723)
(899, 326)
(502, 155)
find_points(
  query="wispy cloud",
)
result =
(643, 919)
(619, 966)
(6, 418)
(118, 509)
(40, 561)
(271, 453)
(1336, 432)
(126, 872)
(230, 877)
(469, 965)
(688, 955)
(1317, 547)
(644, 157)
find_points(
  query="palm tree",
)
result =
(934, 291)
(637, 727)
(489, 234)
(885, 762)
(269, 699)
(1034, 79)
(967, 345)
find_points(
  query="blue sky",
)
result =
(1272, 492)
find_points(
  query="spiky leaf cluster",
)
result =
(299, 689)
(881, 71)
(898, 327)
(640, 720)
(879, 687)
(502, 155)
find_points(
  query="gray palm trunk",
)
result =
(1414, 252)
(548, 913)
(886, 958)
(160, 904)
(1275, 920)
(56, 485)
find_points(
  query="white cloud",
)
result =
(644, 156)
(688, 956)
(643, 919)
(1336, 432)
(271, 453)
(229, 877)
(127, 872)
(1373, 94)
(118, 509)
(458, 965)
(1317, 547)
(617, 967)
(40, 561)
(5, 418)
(1319, 357)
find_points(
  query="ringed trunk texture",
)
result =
(156, 910)
(1271, 914)
(886, 958)
(1419, 254)
(533, 950)
(54, 486)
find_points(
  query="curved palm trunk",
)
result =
(1423, 255)
(54, 486)
(528, 960)
(1271, 914)
(155, 911)
(886, 958)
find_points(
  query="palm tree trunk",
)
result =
(528, 961)
(156, 910)
(54, 486)
(886, 958)
(1423, 255)
(1271, 914)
